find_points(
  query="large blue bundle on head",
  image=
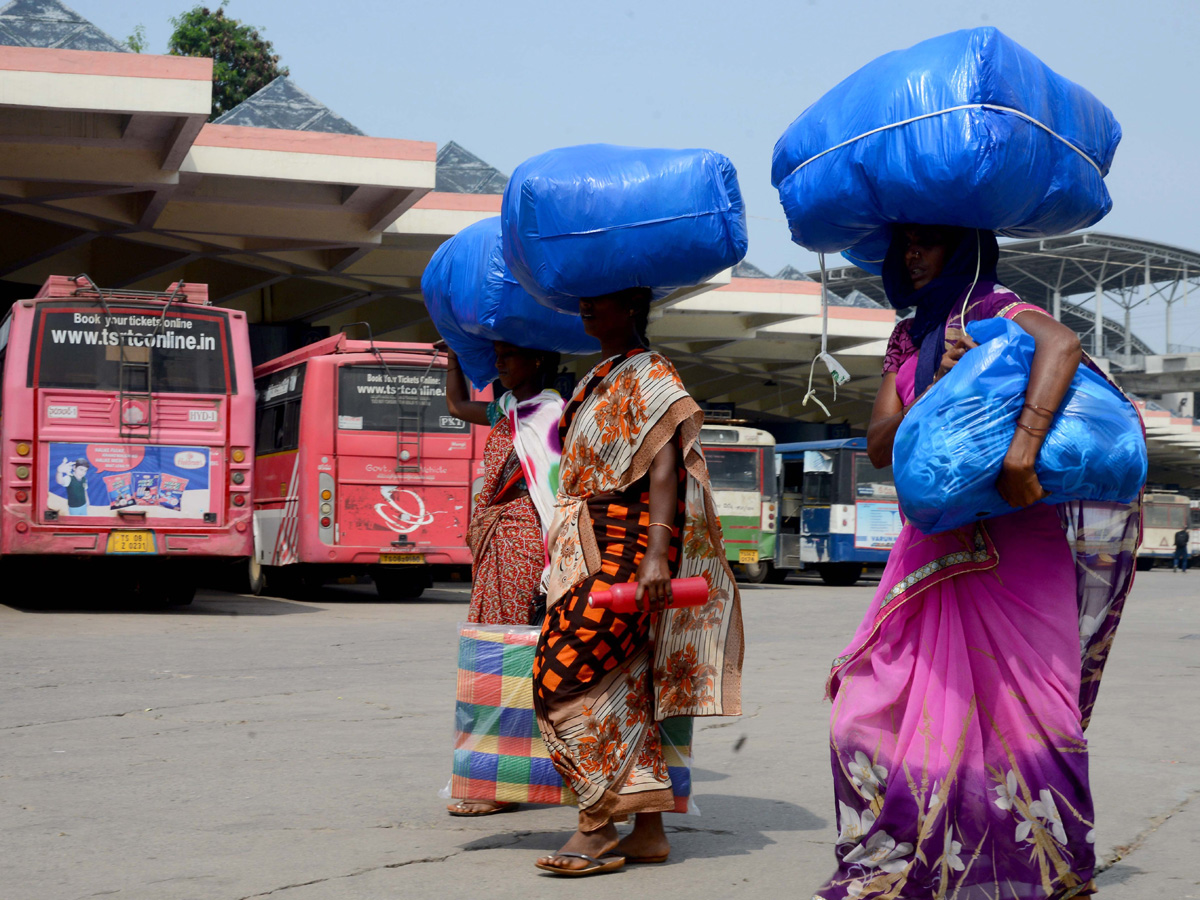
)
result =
(967, 129)
(951, 445)
(474, 300)
(594, 219)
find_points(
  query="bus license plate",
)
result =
(131, 542)
(747, 556)
(401, 559)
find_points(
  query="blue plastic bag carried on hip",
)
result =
(474, 300)
(590, 220)
(951, 445)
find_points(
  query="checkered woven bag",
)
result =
(498, 750)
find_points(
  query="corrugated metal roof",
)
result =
(52, 25)
(281, 104)
(459, 171)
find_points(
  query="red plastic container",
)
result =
(620, 599)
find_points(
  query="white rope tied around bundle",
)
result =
(942, 112)
(836, 372)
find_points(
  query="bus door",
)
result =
(815, 506)
(403, 464)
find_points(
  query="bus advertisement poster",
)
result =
(101, 479)
(877, 525)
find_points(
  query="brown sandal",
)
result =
(459, 810)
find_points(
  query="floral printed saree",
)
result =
(959, 708)
(605, 682)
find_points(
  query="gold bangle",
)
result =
(662, 525)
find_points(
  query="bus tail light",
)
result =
(22, 496)
(239, 499)
(238, 477)
(238, 455)
(23, 448)
(23, 473)
(325, 507)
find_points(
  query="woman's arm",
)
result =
(1055, 360)
(458, 394)
(886, 416)
(654, 574)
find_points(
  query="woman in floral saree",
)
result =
(957, 730)
(512, 513)
(634, 505)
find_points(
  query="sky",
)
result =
(508, 79)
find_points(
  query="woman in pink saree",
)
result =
(959, 707)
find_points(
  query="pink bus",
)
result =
(127, 424)
(359, 468)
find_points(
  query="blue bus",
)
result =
(837, 512)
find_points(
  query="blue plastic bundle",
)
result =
(589, 220)
(967, 129)
(950, 447)
(474, 300)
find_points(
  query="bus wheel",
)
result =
(777, 576)
(1145, 563)
(256, 577)
(840, 574)
(400, 583)
(181, 591)
(754, 573)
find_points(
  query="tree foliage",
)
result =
(136, 42)
(243, 62)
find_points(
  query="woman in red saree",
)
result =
(633, 505)
(507, 533)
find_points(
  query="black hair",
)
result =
(547, 370)
(637, 300)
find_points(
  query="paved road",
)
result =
(246, 747)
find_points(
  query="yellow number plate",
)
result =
(401, 559)
(747, 556)
(131, 542)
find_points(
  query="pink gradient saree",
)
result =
(959, 707)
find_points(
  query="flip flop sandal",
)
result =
(597, 867)
(471, 813)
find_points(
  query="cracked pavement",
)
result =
(252, 747)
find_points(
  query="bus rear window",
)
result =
(78, 345)
(871, 483)
(733, 470)
(408, 398)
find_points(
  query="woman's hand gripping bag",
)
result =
(590, 220)
(968, 128)
(474, 301)
(950, 447)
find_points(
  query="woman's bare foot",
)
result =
(647, 841)
(477, 807)
(592, 843)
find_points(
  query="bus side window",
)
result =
(818, 488)
(278, 428)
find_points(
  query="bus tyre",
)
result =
(400, 583)
(181, 592)
(754, 573)
(777, 576)
(256, 577)
(1145, 563)
(840, 574)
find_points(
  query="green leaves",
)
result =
(243, 62)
